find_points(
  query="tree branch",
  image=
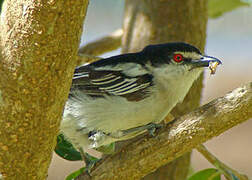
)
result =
(39, 42)
(85, 58)
(220, 165)
(90, 51)
(145, 154)
(103, 45)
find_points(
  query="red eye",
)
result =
(178, 58)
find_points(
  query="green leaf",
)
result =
(217, 7)
(66, 150)
(74, 174)
(1, 3)
(206, 174)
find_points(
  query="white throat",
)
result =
(173, 83)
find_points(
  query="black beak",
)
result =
(205, 61)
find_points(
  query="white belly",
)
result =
(112, 114)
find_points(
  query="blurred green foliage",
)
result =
(1, 2)
(206, 174)
(74, 174)
(216, 8)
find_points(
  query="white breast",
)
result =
(173, 88)
(114, 113)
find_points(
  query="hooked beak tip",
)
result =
(210, 59)
(205, 61)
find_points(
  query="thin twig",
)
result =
(84, 58)
(103, 45)
(90, 52)
(219, 165)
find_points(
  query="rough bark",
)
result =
(150, 22)
(145, 154)
(39, 43)
(177, 169)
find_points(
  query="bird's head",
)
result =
(177, 59)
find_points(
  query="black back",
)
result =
(157, 54)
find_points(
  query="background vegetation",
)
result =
(227, 41)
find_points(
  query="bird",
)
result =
(120, 97)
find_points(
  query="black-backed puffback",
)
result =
(119, 97)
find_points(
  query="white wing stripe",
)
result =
(133, 86)
(80, 76)
(106, 77)
(128, 86)
(115, 86)
(143, 85)
(105, 82)
(129, 90)
(118, 86)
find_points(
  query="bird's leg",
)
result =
(151, 127)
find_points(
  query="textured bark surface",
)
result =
(151, 22)
(145, 154)
(177, 169)
(39, 43)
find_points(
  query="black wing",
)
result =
(100, 82)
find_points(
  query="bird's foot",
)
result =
(152, 127)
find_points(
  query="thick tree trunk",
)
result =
(150, 22)
(39, 43)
